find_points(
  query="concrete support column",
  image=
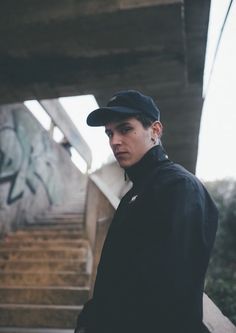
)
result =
(98, 215)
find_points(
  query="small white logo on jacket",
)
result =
(133, 199)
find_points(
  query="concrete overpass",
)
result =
(59, 48)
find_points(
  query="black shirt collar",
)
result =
(138, 172)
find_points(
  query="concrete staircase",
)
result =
(44, 275)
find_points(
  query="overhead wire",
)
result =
(218, 46)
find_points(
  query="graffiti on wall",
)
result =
(26, 157)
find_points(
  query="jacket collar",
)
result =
(138, 172)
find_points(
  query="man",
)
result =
(153, 263)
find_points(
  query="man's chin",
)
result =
(124, 164)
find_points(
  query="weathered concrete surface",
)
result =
(36, 173)
(42, 265)
(60, 48)
(99, 212)
(42, 316)
(68, 128)
(112, 176)
(50, 295)
(214, 319)
(44, 295)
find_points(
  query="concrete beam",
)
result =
(61, 57)
(60, 48)
(39, 11)
(66, 125)
(196, 17)
(95, 35)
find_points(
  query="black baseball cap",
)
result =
(126, 102)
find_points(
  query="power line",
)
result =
(218, 45)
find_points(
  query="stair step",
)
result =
(57, 221)
(45, 231)
(47, 236)
(67, 223)
(44, 279)
(32, 265)
(54, 225)
(34, 330)
(44, 275)
(40, 253)
(17, 243)
(44, 234)
(39, 316)
(60, 216)
(44, 295)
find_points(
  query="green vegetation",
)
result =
(221, 275)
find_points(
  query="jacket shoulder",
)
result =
(174, 173)
(174, 176)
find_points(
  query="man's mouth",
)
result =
(120, 154)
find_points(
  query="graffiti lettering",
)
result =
(25, 156)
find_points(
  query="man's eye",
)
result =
(125, 130)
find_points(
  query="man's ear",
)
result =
(157, 129)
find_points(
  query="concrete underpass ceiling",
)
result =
(58, 48)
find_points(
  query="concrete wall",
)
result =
(113, 177)
(36, 173)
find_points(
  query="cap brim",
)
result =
(101, 116)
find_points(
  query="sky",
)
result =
(78, 107)
(217, 138)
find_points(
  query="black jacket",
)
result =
(152, 268)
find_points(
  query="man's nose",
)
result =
(115, 140)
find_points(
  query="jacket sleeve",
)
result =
(171, 271)
(85, 317)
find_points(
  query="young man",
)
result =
(152, 268)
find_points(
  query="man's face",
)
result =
(129, 140)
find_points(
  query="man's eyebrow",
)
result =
(123, 123)
(119, 125)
